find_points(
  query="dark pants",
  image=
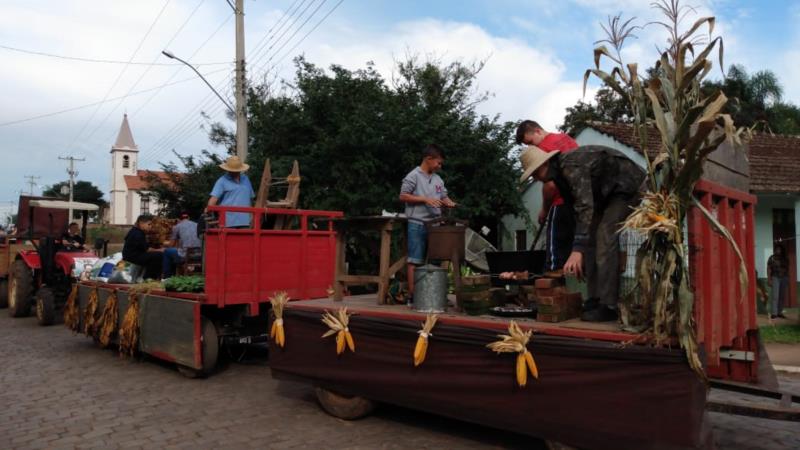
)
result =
(602, 256)
(151, 262)
(780, 286)
(560, 233)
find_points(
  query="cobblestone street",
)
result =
(61, 391)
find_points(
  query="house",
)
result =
(771, 172)
(130, 194)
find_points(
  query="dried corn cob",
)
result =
(421, 349)
(516, 341)
(277, 332)
(338, 326)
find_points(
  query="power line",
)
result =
(122, 72)
(89, 105)
(31, 181)
(102, 61)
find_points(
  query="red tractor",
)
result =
(43, 271)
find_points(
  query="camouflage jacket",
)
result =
(587, 177)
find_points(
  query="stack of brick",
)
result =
(554, 302)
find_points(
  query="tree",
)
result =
(356, 136)
(608, 106)
(85, 192)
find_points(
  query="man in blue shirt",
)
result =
(233, 189)
(183, 239)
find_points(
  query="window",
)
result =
(145, 205)
(126, 161)
(521, 239)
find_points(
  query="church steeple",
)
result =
(125, 137)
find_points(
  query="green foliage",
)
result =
(781, 334)
(608, 107)
(356, 136)
(85, 192)
(188, 283)
(189, 186)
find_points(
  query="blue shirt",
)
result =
(233, 193)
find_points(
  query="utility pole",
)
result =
(72, 174)
(240, 86)
(31, 181)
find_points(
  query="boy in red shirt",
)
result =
(558, 216)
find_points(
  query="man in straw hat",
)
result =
(233, 189)
(602, 185)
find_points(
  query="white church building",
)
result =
(129, 187)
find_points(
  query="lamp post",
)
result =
(225, 102)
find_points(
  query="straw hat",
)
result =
(532, 158)
(234, 164)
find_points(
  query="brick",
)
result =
(552, 292)
(546, 283)
(553, 318)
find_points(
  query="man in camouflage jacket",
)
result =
(603, 186)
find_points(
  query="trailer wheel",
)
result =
(45, 306)
(210, 340)
(342, 406)
(4, 293)
(20, 287)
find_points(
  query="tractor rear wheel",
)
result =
(3, 293)
(20, 288)
(343, 406)
(45, 306)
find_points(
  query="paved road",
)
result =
(60, 391)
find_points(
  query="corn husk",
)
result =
(338, 326)
(129, 330)
(107, 324)
(421, 349)
(90, 315)
(516, 341)
(277, 332)
(72, 311)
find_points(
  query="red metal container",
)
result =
(726, 317)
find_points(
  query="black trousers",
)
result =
(560, 233)
(602, 257)
(152, 263)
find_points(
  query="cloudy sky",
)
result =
(56, 103)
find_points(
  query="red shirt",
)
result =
(558, 142)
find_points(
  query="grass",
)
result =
(780, 334)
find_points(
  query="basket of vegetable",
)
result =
(188, 283)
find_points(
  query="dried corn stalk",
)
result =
(516, 341)
(277, 332)
(421, 348)
(691, 126)
(338, 326)
(108, 320)
(129, 330)
(90, 314)
(72, 311)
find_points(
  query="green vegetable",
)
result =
(189, 283)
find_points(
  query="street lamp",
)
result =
(171, 56)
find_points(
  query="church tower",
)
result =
(124, 156)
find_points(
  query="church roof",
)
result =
(125, 137)
(139, 182)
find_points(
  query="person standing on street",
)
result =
(778, 275)
(233, 189)
(557, 216)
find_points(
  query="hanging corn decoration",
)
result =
(277, 332)
(338, 326)
(72, 311)
(516, 341)
(422, 341)
(90, 314)
(108, 320)
(129, 330)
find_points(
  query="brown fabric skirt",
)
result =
(589, 394)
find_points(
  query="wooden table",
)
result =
(384, 225)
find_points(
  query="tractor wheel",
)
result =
(20, 288)
(4, 293)
(210, 341)
(342, 406)
(45, 306)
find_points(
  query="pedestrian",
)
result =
(778, 275)
(602, 186)
(182, 240)
(555, 214)
(424, 194)
(233, 189)
(137, 250)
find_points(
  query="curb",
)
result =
(787, 369)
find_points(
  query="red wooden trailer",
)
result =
(243, 269)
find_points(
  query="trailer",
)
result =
(597, 386)
(243, 268)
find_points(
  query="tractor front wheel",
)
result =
(346, 407)
(20, 288)
(45, 306)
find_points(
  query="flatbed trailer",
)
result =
(243, 268)
(598, 387)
